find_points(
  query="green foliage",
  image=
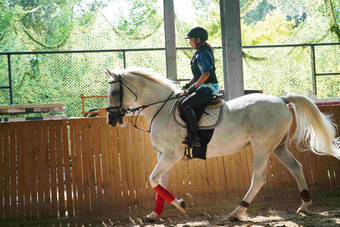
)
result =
(336, 9)
(259, 13)
(273, 29)
(6, 15)
(84, 10)
(50, 22)
(143, 17)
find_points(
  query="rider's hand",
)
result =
(192, 90)
(186, 86)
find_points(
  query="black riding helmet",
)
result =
(198, 32)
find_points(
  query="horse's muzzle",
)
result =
(113, 119)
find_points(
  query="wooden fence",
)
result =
(77, 166)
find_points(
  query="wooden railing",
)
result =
(98, 111)
(77, 166)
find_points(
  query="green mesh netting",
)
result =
(276, 70)
(288, 69)
(47, 78)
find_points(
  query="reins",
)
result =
(141, 108)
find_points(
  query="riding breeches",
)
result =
(195, 99)
(192, 101)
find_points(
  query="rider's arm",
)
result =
(191, 81)
(202, 79)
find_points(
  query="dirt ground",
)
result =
(325, 211)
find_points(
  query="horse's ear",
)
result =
(107, 72)
(110, 74)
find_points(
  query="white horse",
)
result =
(258, 120)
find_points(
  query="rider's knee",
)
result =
(186, 103)
(187, 108)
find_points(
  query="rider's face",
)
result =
(193, 42)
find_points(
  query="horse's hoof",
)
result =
(304, 206)
(233, 219)
(149, 220)
(303, 211)
(228, 219)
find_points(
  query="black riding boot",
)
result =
(192, 126)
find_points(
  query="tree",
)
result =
(258, 13)
(336, 9)
(142, 20)
(6, 15)
(51, 21)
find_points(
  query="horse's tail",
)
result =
(314, 126)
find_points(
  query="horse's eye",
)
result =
(114, 92)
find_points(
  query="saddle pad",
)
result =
(209, 120)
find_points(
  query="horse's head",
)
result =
(119, 101)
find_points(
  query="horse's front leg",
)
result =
(159, 181)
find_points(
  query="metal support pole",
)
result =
(170, 40)
(312, 52)
(124, 60)
(10, 79)
(232, 49)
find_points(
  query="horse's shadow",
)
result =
(316, 218)
(321, 218)
(273, 218)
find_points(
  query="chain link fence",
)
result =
(65, 77)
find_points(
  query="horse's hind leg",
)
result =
(260, 160)
(295, 168)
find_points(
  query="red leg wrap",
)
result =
(168, 196)
(159, 204)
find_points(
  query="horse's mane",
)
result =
(153, 76)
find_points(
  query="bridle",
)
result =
(122, 111)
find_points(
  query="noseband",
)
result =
(122, 111)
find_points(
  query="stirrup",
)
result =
(192, 142)
(188, 155)
(187, 142)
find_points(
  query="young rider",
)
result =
(204, 85)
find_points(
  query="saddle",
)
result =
(208, 115)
